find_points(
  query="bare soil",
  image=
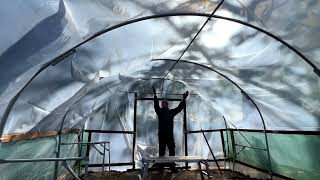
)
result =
(166, 175)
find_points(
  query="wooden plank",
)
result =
(173, 159)
(33, 135)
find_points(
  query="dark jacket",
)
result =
(165, 116)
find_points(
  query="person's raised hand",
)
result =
(154, 90)
(185, 95)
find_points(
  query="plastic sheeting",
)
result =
(256, 86)
(293, 21)
(119, 117)
(230, 49)
(281, 83)
(36, 148)
(238, 52)
(294, 156)
(92, 83)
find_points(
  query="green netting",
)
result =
(255, 157)
(32, 149)
(294, 156)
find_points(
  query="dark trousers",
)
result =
(164, 141)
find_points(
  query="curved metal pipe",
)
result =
(72, 50)
(14, 99)
(56, 165)
(194, 37)
(242, 91)
(62, 56)
(199, 15)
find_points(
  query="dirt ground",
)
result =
(166, 175)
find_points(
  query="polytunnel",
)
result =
(81, 72)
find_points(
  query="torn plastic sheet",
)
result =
(66, 7)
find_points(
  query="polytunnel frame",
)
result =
(185, 129)
(71, 51)
(242, 92)
(188, 131)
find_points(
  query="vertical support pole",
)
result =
(234, 151)
(109, 155)
(56, 165)
(80, 151)
(223, 148)
(134, 129)
(227, 134)
(185, 130)
(79, 145)
(222, 141)
(104, 156)
(88, 145)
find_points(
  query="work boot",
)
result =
(173, 168)
(161, 168)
